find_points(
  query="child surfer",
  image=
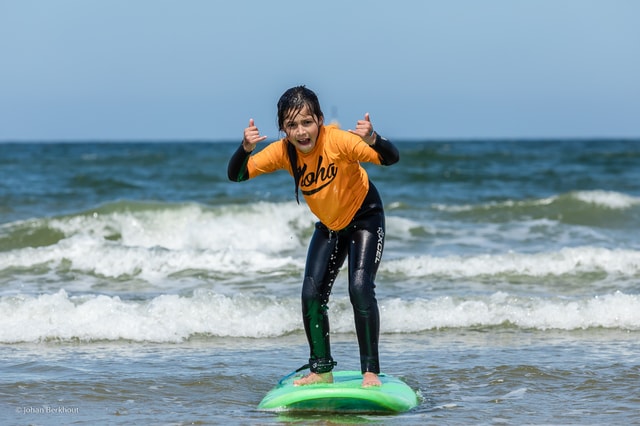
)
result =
(325, 164)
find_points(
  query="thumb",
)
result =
(366, 116)
(251, 124)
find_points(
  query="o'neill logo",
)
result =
(324, 175)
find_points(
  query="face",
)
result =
(302, 129)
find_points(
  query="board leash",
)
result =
(304, 367)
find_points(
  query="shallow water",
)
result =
(498, 376)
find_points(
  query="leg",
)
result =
(324, 259)
(367, 242)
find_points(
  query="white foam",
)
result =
(96, 257)
(174, 318)
(270, 227)
(459, 208)
(154, 244)
(105, 258)
(616, 310)
(569, 260)
(166, 318)
(609, 199)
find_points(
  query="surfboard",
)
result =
(344, 395)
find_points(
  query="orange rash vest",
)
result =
(333, 182)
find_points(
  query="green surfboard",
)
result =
(344, 395)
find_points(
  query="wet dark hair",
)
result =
(293, 100)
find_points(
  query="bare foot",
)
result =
(370, 379)
(313, 378)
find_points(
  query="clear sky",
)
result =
(197, 69)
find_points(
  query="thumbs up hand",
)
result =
(364, 129)
(251, 137)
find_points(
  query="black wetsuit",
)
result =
(362, 241)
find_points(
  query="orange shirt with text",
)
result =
(333, 182)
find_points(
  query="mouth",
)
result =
(304, 142)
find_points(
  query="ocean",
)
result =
(139, 286)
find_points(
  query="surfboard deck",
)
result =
(344, 395)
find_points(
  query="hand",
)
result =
(364, 129)
(251, 137)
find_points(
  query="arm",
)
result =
(386, 150)
(237, 169)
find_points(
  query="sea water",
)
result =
(139, 286)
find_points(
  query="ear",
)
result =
(321, 120)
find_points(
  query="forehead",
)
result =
(298, 114)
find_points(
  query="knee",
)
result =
(309, 289)
(311, 295)
(362, 290)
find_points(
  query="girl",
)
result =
(325, 164)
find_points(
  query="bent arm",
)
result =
(237, 170)
(386, 150)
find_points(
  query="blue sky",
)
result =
(195, 69)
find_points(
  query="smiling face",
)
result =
(302, 129)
